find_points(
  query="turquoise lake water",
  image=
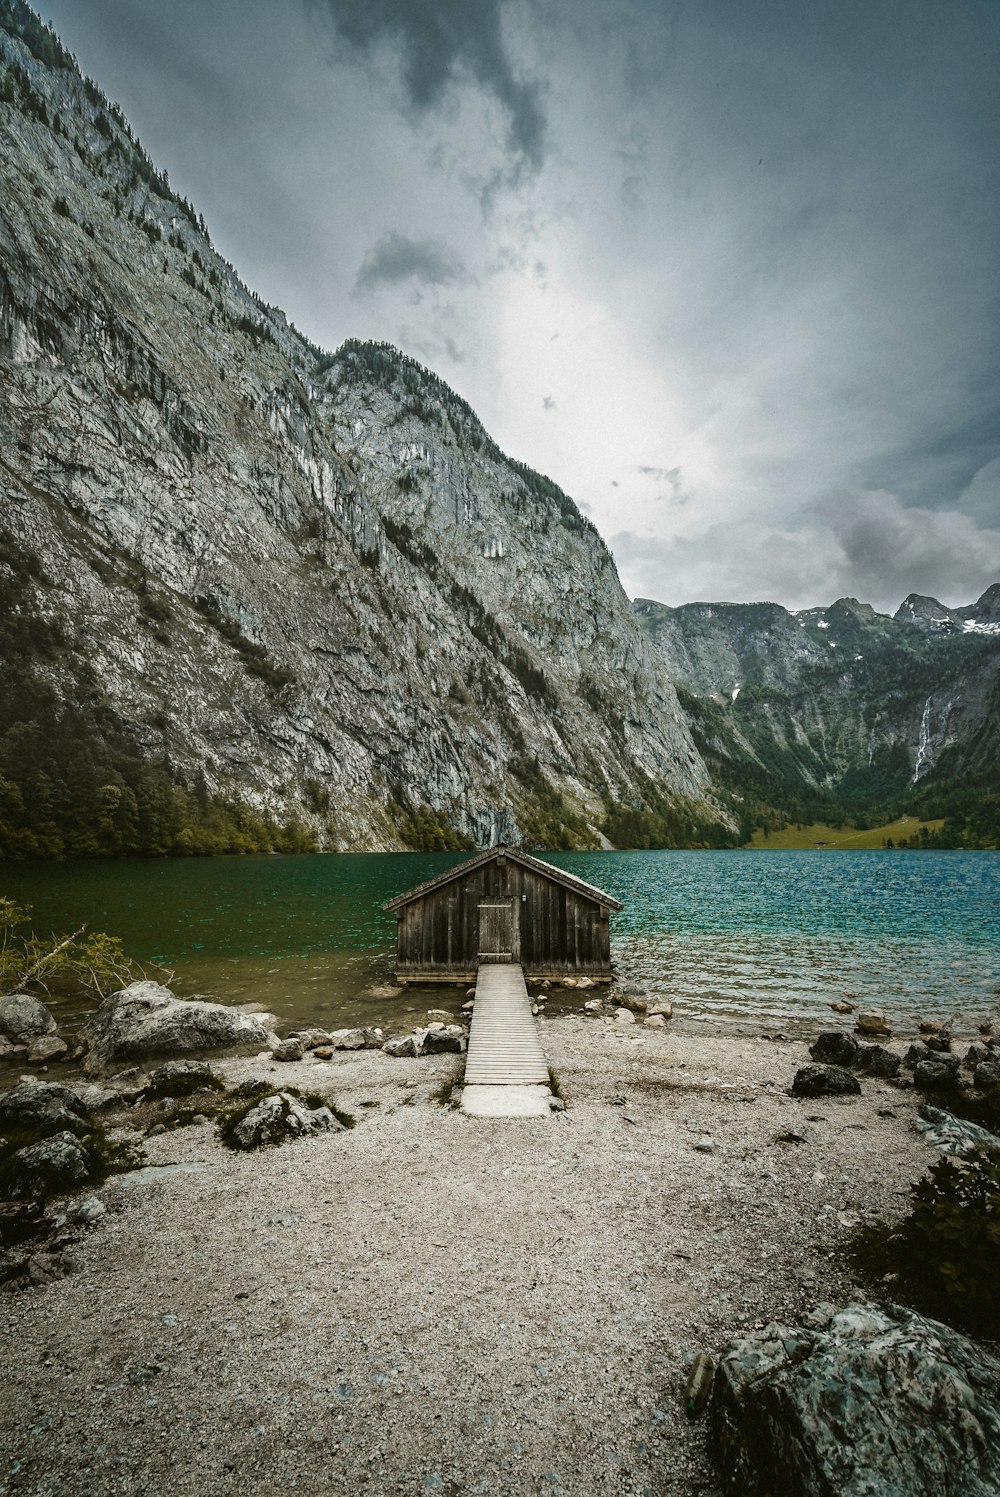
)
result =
(749, 941)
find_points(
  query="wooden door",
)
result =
(496, 931)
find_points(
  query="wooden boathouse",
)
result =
(503, 906)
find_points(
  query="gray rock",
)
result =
(94, 1098)
(278, 1118)
(182, 1074)
(661, 1008)
(953, 1135)
(624, 1016)
(631, 990)
(146, 1020)
(941, 1071)
(374, 1038)
(879, 1402)
(915, 1054)
(832, 1047)
(311, 1039)
(24, 1019)
(348, 1039)
(440, 1042)
(402, 1048)
(129, 1084)
(55, 1163)
(287, 1050)
(987, 1075)
(976, 1054)
(876, 1060)
(941, 1040)
(824, 1081)
(43, 1107)
(873, 1021)
(632, 998)
(705, 1145)
(88, 1210)
(47, 1047)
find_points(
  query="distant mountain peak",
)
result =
(927, 613)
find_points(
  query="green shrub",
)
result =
(945, 1255)
(953, 1233)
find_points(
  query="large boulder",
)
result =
(146, 1020)
(42, 1108)
(868, 1401)
(23, 1019)
(832, 1047)
(53, 1164)
(279, 1117)
(954, 1135)
(824, 1081)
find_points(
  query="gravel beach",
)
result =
(436, 1303)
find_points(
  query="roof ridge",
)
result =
(500, 849)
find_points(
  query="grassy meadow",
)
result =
(821, 835)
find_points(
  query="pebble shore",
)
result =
(431, 1302)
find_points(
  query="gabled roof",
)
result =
(557, 875)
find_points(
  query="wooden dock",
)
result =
(506, 1073)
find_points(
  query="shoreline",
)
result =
(431, 1302)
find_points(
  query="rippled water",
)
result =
(754, 940)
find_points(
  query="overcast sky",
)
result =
(726, 270)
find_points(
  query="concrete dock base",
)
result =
(506, 1101)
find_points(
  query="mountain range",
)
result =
(254, 594)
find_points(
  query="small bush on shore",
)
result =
(946, 1253)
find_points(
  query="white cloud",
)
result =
(861, 544)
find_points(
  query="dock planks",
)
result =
(504, 1047)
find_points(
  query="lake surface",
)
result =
(748, 941)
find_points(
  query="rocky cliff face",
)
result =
(309, 585)
(842, 699)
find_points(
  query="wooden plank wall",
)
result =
(555, 929)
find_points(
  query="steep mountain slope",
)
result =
(841, 701)
(247, 585)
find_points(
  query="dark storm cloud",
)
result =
(397, 258)
(442, 43)
(752, 246)
(858, 543)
